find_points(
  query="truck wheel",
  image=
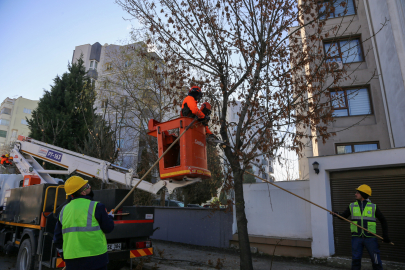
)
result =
(25, 259)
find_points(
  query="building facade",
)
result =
(127, 95)
(370, 45)
(265, 167)
(14, 113)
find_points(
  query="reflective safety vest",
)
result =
(82, 235)
(366, 219)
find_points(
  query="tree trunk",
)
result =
(241, 221)
(162, 197)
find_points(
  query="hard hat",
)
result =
(365, 188)
(10, 158)
(195, 91)
(73, 184)
(7, 155)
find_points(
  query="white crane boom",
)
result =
(25, 149)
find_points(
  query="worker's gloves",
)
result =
(111, 214)
(205, 119)
(386, 239)
(212, 137)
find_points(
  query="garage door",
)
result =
(388, 190)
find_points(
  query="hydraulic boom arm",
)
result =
(25, 149)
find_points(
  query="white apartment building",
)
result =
(265, 168)
(14, 113)
(115, 69)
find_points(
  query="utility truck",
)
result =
(31, 201)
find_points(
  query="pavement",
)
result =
(177, 256)
(171, 256)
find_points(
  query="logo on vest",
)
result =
(369, 212)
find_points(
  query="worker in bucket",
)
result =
(80, 230)
(364, 213)
(189, 108)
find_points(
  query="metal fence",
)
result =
(196, 226)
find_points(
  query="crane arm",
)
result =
(25, 149)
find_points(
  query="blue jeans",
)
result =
(372, 247)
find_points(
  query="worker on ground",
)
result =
(80, 230)
(364, 213)
(189, 108)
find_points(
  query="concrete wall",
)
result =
(322, 226)
(196, 226)
(271, 211)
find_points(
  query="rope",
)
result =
(317, 206)
(153, 166)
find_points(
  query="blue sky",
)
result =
(37, 39)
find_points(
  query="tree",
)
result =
(266, 57)
(248, 178)
(66, 117)
(65, 113)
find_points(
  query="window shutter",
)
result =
(359, 102)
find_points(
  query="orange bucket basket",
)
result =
(188, 158)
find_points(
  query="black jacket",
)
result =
(94, 262)
(378, 215)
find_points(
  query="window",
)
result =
(93, 64)
(24, 122)
(336, 8)
(4, 122)
(121, 121)
(3, 133)
(109, 66)
(124, 100)
(128, 63)
(14, 133)
(104, 103)
(6, 111)
(120, 143)
(350, 102)
(27, 110)
(356, 147)
(344, 50)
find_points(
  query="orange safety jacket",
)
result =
(189, 108)
(5, 160)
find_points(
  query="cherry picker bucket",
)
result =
(186, 159)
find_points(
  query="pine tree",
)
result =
(65, 114)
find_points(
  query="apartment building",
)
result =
(119, 73)
(265, 167)
(370, 44)
(14, 113)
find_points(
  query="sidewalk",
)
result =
(171, 256)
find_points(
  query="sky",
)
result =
(37, 39)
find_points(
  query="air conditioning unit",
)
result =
(336, 65)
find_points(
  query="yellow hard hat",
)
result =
(365, 188)
(7, 155)
(73, 184)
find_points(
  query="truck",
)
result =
(31, 201)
